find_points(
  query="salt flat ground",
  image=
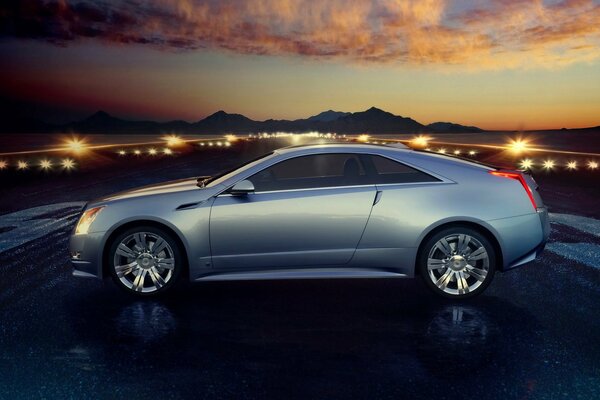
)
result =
(533, 334)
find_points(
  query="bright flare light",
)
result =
(442, 151)
(168, 151)
(152, 151)
(592, 165)
(549, 164)
(231, 138)
(76, 145)
(68, 164)
(22, 165)
(363, 138)
(45, 164)
(526, 164)
(173, 140)
(3, 164)
(517, 146)
(572, 165)
(420, 141)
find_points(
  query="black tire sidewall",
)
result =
(178, 266)
(426, 248)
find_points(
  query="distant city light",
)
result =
(231, 138)
(202, 144)
(173, 140)
(68, 164)
(3, 164)
(122, 152)
(22, 165)
(152, 151)
(137, 152)
(592, 165)
(472, 152)
(45, 164)
(210, 143)
(227, 144)
(517, 146)
(549, 164)
(442, 151)
(572, 165)
(167, 151)
(219, 143)
(427, 149)
(76, 145)
(456, 152)
(526, 164)
(420, 141)
(363, 138)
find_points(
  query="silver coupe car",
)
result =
(319, 211)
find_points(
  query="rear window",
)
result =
(385, 170)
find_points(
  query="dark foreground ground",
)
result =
(534, 334)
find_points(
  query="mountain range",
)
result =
(371, 121)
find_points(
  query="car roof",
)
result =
(341, 146)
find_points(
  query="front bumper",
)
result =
(86, 254)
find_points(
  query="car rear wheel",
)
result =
(457, 262)
(145, 261)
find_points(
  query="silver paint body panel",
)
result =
(326, 231)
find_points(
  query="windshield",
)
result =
(224, 175)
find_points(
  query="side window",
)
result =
(389, 171)
(321, 170)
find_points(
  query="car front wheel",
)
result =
(457, 262)
(145, 261)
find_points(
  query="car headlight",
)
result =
(83, 226)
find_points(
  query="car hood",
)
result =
(180, 185)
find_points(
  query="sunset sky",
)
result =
(499, 64)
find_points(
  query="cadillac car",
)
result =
(319, 211)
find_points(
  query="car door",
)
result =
(305, 211)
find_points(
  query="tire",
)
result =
(145, 261)
(457, 262)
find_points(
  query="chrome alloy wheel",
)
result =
(458, 264)
(144, 262)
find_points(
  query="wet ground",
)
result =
(534, 334)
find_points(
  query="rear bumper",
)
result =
(544, 221)
(86, 253)
(522, 238)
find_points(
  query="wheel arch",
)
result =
(142, 222)
(478, 226)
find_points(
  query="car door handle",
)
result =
(377, 197)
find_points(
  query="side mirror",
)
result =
(242, 188)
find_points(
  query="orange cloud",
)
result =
(499, 34)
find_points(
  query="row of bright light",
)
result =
(167, 151)
(550, 164)
(44, 164)
(456, 152)
(151, 151)
(312, 134)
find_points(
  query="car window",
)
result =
(223, 176)
(314, 171)
(385, 170)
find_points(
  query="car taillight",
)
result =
(519, 177)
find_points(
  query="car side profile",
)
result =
(319, 211)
